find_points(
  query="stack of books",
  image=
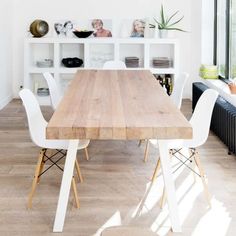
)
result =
(161, 62)
(43, 91)
(132, 62)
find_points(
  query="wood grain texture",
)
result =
(110, 104)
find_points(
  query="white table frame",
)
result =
(68, 173)
(65, 186)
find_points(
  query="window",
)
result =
(232, 44)
(225, 38)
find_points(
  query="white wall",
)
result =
(207, 31)
(5, 52)
(25, 11)
(195, 44)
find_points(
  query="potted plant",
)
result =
(166, 23)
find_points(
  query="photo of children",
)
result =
(138, 28)
(64, 28)
(99, 31)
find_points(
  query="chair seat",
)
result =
(154, 142)
(176, 143)
(173, 143)
(127, 231)
(64, 144)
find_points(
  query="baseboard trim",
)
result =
(5, 101)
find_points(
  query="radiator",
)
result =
(223, 122)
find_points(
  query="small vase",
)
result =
(156, 32)
(163, 33)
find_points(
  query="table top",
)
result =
(117, 104)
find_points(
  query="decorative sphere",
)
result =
(39, 28)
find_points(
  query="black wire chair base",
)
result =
(54, 163)
(187, 159)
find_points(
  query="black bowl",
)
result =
(72, 62)
(82, 34)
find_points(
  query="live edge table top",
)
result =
(117, 104)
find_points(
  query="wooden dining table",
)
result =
(116, 105)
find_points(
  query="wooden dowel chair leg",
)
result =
(75, 192)
(41, 168)
(140, 142)
(158, 166)
(201, 171)
(35, 180)
(86, 154)
(146, 151)
(78, 171)
(193, 165)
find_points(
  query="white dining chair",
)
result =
(176, 96)
(200, 122)
(37, 128)
(56, 97)
(177, 93)
(116, 64)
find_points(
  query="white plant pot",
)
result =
(163, 33)
(156, 33)
(147, 30)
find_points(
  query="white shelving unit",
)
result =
(94, 52)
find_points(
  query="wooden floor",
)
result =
(114, 190)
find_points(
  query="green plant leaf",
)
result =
(152, 25)
(176, 22)
(162, 15)
(176, 29)
(165, 21)
(172, 17)
(157, 21)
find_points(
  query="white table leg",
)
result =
(169, 186)
(65, 186)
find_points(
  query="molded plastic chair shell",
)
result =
(119, 65)
(201, 118)
(200, 122)
(178, 89)
(53, 88)
(37, 124)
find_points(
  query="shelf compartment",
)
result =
(162, 50)
(71, 50)
(166, 81)
(132, 50)
(100, 53)
(38, 81)
(40, 52)
(64, 81)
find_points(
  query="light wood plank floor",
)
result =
(113, 192)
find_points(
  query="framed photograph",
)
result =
(138, 28)
(132, 28)
(64, 28)
(101, 27)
